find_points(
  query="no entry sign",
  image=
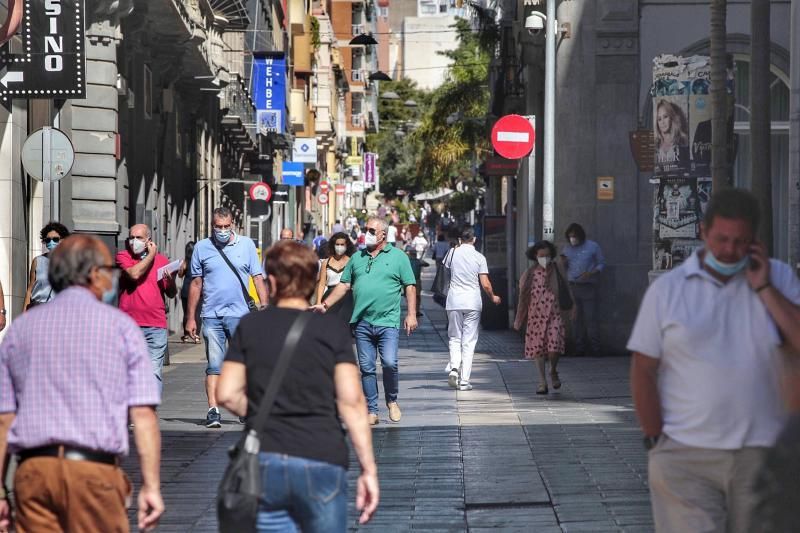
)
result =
(260, 191)
(513, 136)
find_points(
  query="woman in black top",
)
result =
(303, 449)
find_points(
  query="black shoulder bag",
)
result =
(441, 281)
(240, 488)
(251, 304)
(565, 302)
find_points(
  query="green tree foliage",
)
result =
(430, 145)
(454, 125)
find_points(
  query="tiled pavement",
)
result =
(496, 458)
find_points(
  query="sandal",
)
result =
(555, 380)
(542, 389)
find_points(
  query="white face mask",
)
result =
(340, 250)
(544, 261)
(574, 241)
(371, 240)
(137, 246)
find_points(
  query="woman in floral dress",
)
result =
(540, 311)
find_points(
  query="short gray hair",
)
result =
(222, 212)
(73, 260)
(381, 221)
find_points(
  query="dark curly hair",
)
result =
(541, 245)
(58, 227)
(351, 248)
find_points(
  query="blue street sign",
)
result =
(293, 173)
(269, 93)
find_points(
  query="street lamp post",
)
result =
(548, 189)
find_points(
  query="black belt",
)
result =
(69, 452)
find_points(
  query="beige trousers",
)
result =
(702, 490)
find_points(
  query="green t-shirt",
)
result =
(377, 292)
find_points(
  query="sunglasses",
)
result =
(372, 231)
(52, 239)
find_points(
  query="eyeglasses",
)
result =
(52, 239)
(372, 231)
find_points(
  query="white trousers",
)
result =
(462, 329)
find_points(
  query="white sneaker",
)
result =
(452, 379)
(465, 386)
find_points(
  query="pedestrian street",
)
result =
(497, 458)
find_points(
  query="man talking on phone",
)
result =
(142, 291)
(707, 367)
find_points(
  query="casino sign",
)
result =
(52, 63)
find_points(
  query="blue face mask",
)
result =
(111, 294)
(725, 269)
(222, 236)
(50, 245)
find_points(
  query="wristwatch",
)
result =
(650, 442)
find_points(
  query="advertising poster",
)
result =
(678, 209)
(269, 93)
(703, 194)
(671, 134)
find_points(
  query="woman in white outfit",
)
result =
(468, 273)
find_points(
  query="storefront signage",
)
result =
(281, 194)
(369, 167)
(269, 92)
(52, 63)
(304, 150)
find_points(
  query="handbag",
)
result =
(565, 302)
(251, 304)
(240, 488)
(441, 282)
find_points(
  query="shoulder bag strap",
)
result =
(450, 254)
(275, 381)
(247, 298)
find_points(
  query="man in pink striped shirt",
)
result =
(71, 373)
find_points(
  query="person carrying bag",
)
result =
(251, 303)
(279, 478)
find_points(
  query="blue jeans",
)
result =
(216, 332)
(156, 339)
(369, 341)
(301, 494)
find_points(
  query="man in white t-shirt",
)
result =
(468, 273)
(420, 244)
(706, 371)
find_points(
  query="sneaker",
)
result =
(213, 418)
(373, 419)
(465, 386)
(394, 412)
(452, 379)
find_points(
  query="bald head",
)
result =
(139, 231)
(287, 234)
(76, 260)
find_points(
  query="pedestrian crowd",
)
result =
(709, 348)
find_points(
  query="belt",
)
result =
(69, 452)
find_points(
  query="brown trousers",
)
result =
(54, 495)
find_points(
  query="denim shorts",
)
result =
(216, 332)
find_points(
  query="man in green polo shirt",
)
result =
(377, 276)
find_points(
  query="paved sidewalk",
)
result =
(498, 457)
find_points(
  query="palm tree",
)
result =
(719, 98)
(761, 168)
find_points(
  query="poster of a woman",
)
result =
(671, 135)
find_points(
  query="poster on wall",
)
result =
(671, 134)
(677, 208)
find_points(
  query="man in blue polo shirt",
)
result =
(585, 262)
(224, 295)
(378, 275)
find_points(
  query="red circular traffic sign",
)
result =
(324, 186)
(513, 136)
(260, 191)
(340, 189)
(322, 198)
